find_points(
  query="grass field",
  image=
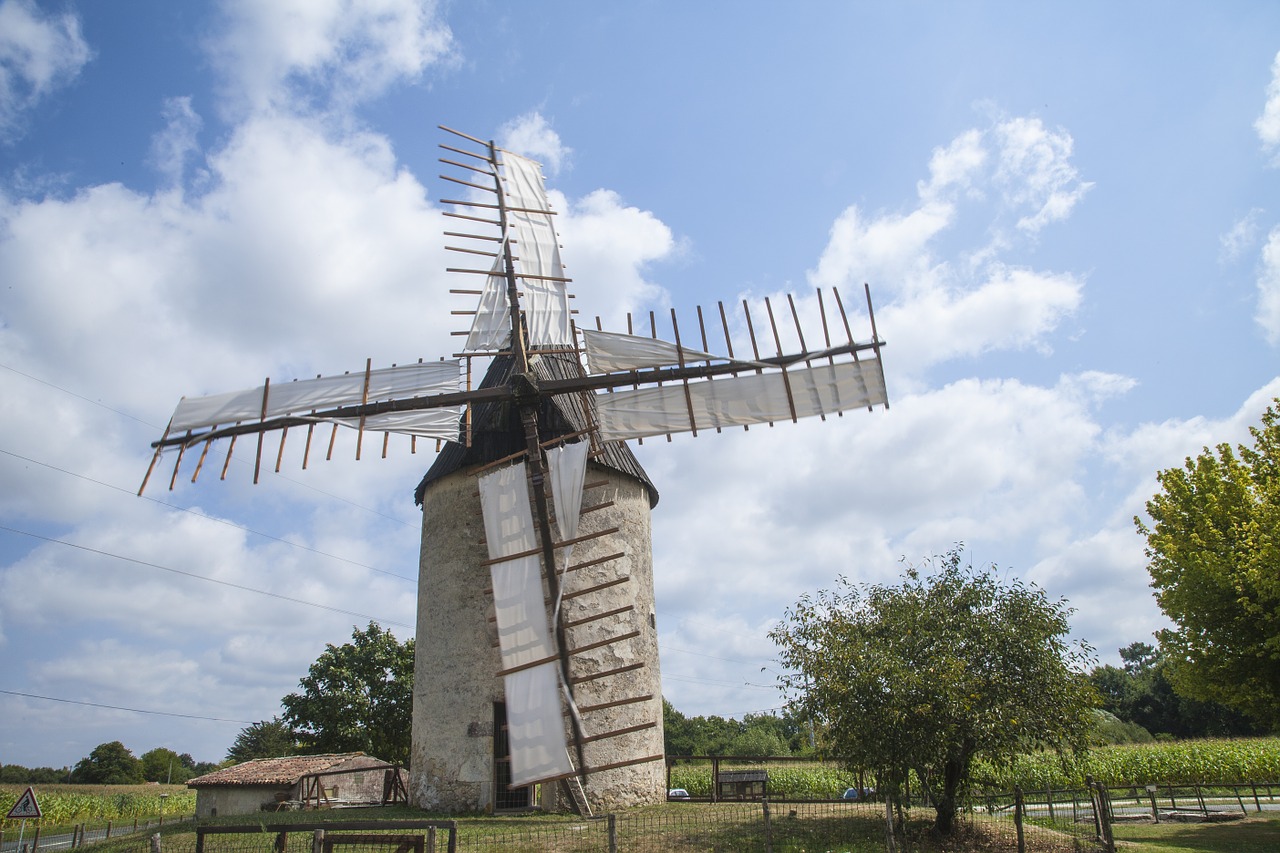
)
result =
(695, 826)
(1258, 834)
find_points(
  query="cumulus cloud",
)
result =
(1268, 312)
(1035, 172)
(532, 136)
(177, 143)
(1241, 237)
(965, 301)
(39, 53)
(328, 53)
(1268, 124)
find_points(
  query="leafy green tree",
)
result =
(1213, 551)
(108, 764)
(196, 768)
(935, 673)
(1141, 694)
(164, 765)
(356, 697)
(16, 774)
(265, 739)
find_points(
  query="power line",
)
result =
(120, 708)
(238, 461)
(77, 396)
(202, 577)
(227, 522)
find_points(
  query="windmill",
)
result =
(565, 652)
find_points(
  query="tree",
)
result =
(108, 764)
(265, 739)
(1213, 552)
(165, 766)
(1140, 693)
(356, 697)
(934, 673)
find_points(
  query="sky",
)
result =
(1068, 215)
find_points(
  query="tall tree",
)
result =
(1213, 551)
(164, 765)
(1140, 693)
(108, 764)
(357, 697)
(934, 673)
(264, 739)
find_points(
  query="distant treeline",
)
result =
(16, 774)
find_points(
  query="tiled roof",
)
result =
(274, 771)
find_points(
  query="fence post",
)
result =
(108, 829)
(155, 843)
(317, 841)
(1048, 795)
(1104, 809)
(889, 845)
(768, 829)
(612, 823)
(1155, 812)
(1093, 802)
(35, 841)
(1017, 818)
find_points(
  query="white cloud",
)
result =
(1268, 311)
(532, 136)
(39, 53)
(891, 248)
(1241, 237)
(1035, 171)
(1268, 124)
(969, 301)
(954, 166)
(284, 54)
(172, 147)
(608, 246)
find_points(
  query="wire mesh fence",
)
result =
(746, 827)
(1051, 821)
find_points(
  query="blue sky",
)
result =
(1068, 214)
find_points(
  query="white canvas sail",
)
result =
(535, 723)
(745, 399)
(301, 397)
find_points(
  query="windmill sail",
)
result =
(751, 399)
(529, 659)
(302, 397)
(530, 239)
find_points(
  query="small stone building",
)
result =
(298, 781)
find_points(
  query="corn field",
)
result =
(65, 805)
(1189, 762)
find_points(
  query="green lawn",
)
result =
(1255, 834)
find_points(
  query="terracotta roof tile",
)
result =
(273, 771)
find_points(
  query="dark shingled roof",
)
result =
(496, 431)
(274, 771)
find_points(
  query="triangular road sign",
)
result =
(26, 806)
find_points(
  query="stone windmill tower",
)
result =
(537, 679)
(460, 746)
